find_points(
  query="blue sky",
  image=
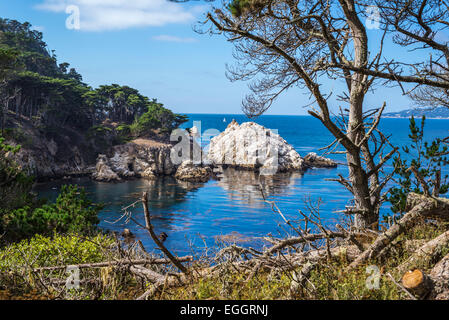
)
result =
(150, 45)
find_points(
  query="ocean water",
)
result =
(196, 215)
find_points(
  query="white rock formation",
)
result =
(247, 146)
(251, 146)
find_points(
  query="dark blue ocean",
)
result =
(195, 215)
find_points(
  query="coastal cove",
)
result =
(232, 209)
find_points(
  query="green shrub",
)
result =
(19, 281)
(72, 212)
(19, 136)
(15, 185)
(42, 251)
(428, 159)
(157, 117)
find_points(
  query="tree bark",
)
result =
(427, 253)
(421, 207)
(366, 216)
(440, 277)
(434, 286)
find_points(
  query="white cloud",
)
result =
(168, 38)
(38, 28)
(101, 15)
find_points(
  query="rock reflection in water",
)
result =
(166, 191)
(244, 186)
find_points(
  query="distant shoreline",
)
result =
(306, 115)
(417, 116)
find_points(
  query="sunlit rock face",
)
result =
(188, 171)
(248, 146)
(137, 159)
(252, 146)
(103, 171)
(313, 160)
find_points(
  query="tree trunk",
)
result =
(365, 216)
(426, 254)
(418, 206)
(440, 277)
(434, 286)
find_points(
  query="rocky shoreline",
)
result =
(248, 146)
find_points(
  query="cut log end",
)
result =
(416, 282)
(412, 279)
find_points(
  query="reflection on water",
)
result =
(245, 186)
(190, 213)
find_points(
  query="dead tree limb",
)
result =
(427, 253)
(117, 263)
(155, 238)
(422, 206)
(440, 277)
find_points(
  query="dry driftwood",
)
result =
(440, 277)
(169, 281)
(426, 254)
(116, 263)
(418, 206)
(349, 253)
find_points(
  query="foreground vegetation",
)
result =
(37, 269)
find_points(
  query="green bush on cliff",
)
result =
(72, 212)
(15, 185)
(156, 118)
(22, 215)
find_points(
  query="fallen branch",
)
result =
(310, 238)
(440, 277)
(155, 238)
(116, 263)
(426, 254)
(421, 207)
(401, 287)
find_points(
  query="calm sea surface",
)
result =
(195, 214)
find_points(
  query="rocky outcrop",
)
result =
(251, 146)
(103, 171)
(188, 171)
(140, 159)
(312, 160)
